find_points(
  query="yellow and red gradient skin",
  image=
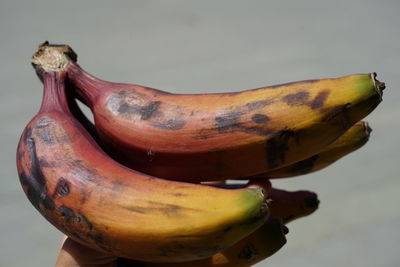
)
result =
(206, 137)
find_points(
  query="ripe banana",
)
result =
(205, 137)
(351, 140)
(106, 206)
(285, 207)
(261, 244)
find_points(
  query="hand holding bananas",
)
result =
(130, 185)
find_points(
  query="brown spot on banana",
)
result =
(252, 106)
(260, 118)
(74, 217)
(320, 99)
(127, 104)
(277, 146)
(171, 124)
(231, 121)
(227, 121)
(296, 99)
(302, 98)
(36, 182)
(145, 112)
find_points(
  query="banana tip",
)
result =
(379, 86)
(285, 230)
(312, 202)
(367, 128)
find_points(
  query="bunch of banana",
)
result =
(136, 183)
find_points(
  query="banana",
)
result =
(206, 137)
(254, 248)
(103, 205)
(285, 206)
(351, 140)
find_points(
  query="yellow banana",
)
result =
(254, 248)
(351, 140)
(285, 206)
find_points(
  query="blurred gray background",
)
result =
(215, 46)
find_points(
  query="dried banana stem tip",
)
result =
(367, 128)
(52, 58)
(379, 86)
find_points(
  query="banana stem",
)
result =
(61, 58)
(52, 58)
(89, 86)
(379, 86)
(54, 93)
